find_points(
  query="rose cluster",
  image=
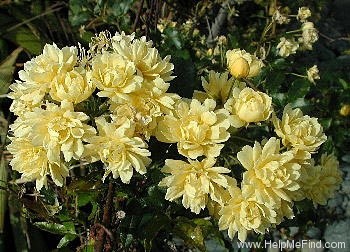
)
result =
(52, 131)
(301, 39)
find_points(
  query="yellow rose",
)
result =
(198, 129)
(313, 74)
(242, 64)
(217, 87)
(42, 69)
(146, 107)
(146, 58)
(26, 97)
(196, 182)
(272, 174)
(74, 86)
(303, 14)
(243, 213)
(114, 76)
(239, 68)
(319, 182)
(57, 128)
(280, 17)
(32, 161)
(299, 131)
(248, 106)
(118, 148)
(287, 47)
(309, 35)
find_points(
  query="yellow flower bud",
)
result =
(242, 64)
(239, 68)
(345, 110)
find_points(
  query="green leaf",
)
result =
(279, 99)
(55, 228)
(86, 197)
(345, 84)
(7, 69)
(299, 103)
(191, 233)
(173, 37)
(151, 228)
(298, 89)
(23, 37)
(325, 122)
(3, 193)
(274, 81)
(66, 239)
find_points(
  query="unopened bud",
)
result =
(345, 110)
(239, 68)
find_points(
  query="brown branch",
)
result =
(137, 16)
(100, 241)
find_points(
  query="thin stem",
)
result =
(106, 220)
(294, 31)
(54, 9)
(138, 16)
(250, 84)
(299, 75)
(243, 139)
(231, 88)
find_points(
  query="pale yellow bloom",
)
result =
(26, 97)
(243, 213)
(280, 18)
(196, 182)
(313, 74)
(287, 47)
(217, 87)
(146, 107)
(284, 210)
(309, 35)
(248, 106)
(33, 163)
(74, 86)
(164, 23)
(114, 76)
(116, 146)
(303, 14)
(299, 131)
(198, 129)
(42, 69)
(146, 58)
(320, 182)
(37, 77)
(242, 64)
(56, 128)
(272, 174)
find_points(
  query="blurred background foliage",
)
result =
(197, 35)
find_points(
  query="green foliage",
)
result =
(7, 69)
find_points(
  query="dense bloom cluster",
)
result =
(126, 81)
(126, 72)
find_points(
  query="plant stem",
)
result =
(106, 220)
(243, 139)
(137, 16)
